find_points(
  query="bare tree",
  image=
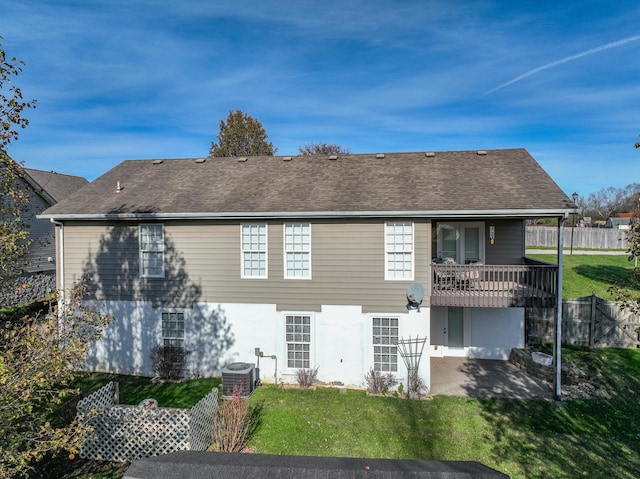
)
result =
(610, 201)
(322, 149)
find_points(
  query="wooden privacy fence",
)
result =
(588, 321)
(125, 433)
(596, 238)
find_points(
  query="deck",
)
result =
(532, 284)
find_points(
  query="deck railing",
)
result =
(532, 284)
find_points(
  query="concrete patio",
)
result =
(485, 378)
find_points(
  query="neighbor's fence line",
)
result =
(588, 321)
(590, 238)
(125, 433)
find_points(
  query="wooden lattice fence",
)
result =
(125, 433)
(588, 321)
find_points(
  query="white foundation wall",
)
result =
(489, 333)
(219, 334)
(494, 331)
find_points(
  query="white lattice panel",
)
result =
(126, 433)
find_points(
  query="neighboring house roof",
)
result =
(52, 186)
(465, 183)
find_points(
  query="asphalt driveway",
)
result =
(485, 378)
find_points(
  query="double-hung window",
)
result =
(398, 250)
(254, 250)
(151, 250)
(298, 339)
(297, 249)
(173, 329)
(385, 344)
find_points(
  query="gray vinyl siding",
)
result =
(509, 245)
(203, 264)
(41, 236)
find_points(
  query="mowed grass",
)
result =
(583, 274)
(595, 438)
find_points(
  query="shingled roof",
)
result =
(230, 465)
(493, 182)
(53, 186)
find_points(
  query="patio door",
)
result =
(463, 242)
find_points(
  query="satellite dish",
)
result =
(415, 295)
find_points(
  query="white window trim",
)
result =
(284, 247)
(266, 251)
(141, 252)
(371, 357)
(185, 313)
(312, 332)
(387, 276)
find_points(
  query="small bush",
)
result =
(416, 387)
(168, 362)
(234, 424)
(379, 382)
(307, 378)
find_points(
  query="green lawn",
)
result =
(583, 274)
(596, 438)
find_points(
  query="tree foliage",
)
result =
(241, 135)
(13, 200)
(629, 300)
(39, 355)
(14, 237)
(312, 148)
(11, 100)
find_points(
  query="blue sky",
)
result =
(132, 79)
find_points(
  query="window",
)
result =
(152, 250)
(298, 339)
(173, 329)
(385, 340)
(297, 247)
(254, 250)
(399, 251)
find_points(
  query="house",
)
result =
(47, 188)
(311, 261)
(44, 188)
(620, 222)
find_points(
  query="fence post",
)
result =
(592, 319)
(116, 393)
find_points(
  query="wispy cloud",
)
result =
(583, 54)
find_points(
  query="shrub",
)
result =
(416, 387)
(234, 424)
(307, 378)
(379, 382)
(168, 362)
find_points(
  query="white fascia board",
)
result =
(532, 213)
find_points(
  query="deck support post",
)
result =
(557, 346)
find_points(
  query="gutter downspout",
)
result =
(557, 351)
(61, 265)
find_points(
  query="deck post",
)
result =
(557, 347)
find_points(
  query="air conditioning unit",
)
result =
(238, 376)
